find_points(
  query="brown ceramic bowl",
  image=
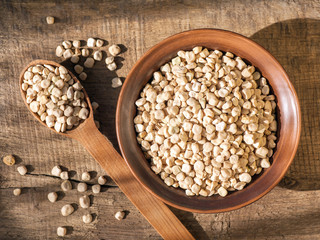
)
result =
(288, 114)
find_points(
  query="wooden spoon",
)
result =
(101, 149)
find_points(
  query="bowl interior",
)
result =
(288, 114)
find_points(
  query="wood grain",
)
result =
(284, 213)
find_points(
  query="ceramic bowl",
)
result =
(288, 116)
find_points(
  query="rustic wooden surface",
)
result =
(290, 30)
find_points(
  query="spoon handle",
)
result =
(155, 211)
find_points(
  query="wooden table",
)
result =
(290, 30)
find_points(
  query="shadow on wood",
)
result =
(189, 221)
(296, 45)
(290, 227)
(98, 87)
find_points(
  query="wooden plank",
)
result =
(138, 25)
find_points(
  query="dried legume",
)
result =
(53, 95)
(207, 122)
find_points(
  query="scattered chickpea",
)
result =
(97, 55)
(59, 51)
(64, 175)
(17, 191)
(112, 66)
(75, 59)
(68, 53)
(85, 52)
(84, 201)
(82, 187)
(78, 68)
(120, 215)
(116, 82)
(66, 44)
(83, 76)
(87, 218)
(94, 105)
(66, 185)
(56, 171)
(89, 62)
(77, 51)
(76, 43)
(50, 20)
(91, 42)
(102, 180)
(96, 188)
(114, 50)
(85, 176)
(109, 60)
(9, 160)
(52, 197)
(99, 43)
(61, 231)
(66, 210)
(22, 170)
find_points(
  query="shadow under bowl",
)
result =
(288, 116)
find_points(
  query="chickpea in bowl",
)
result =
(206, 121)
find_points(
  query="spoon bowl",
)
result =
(69, 133)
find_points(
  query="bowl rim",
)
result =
(297, 120)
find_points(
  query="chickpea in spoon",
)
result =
(54, 96)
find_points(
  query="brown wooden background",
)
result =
(290, 30)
